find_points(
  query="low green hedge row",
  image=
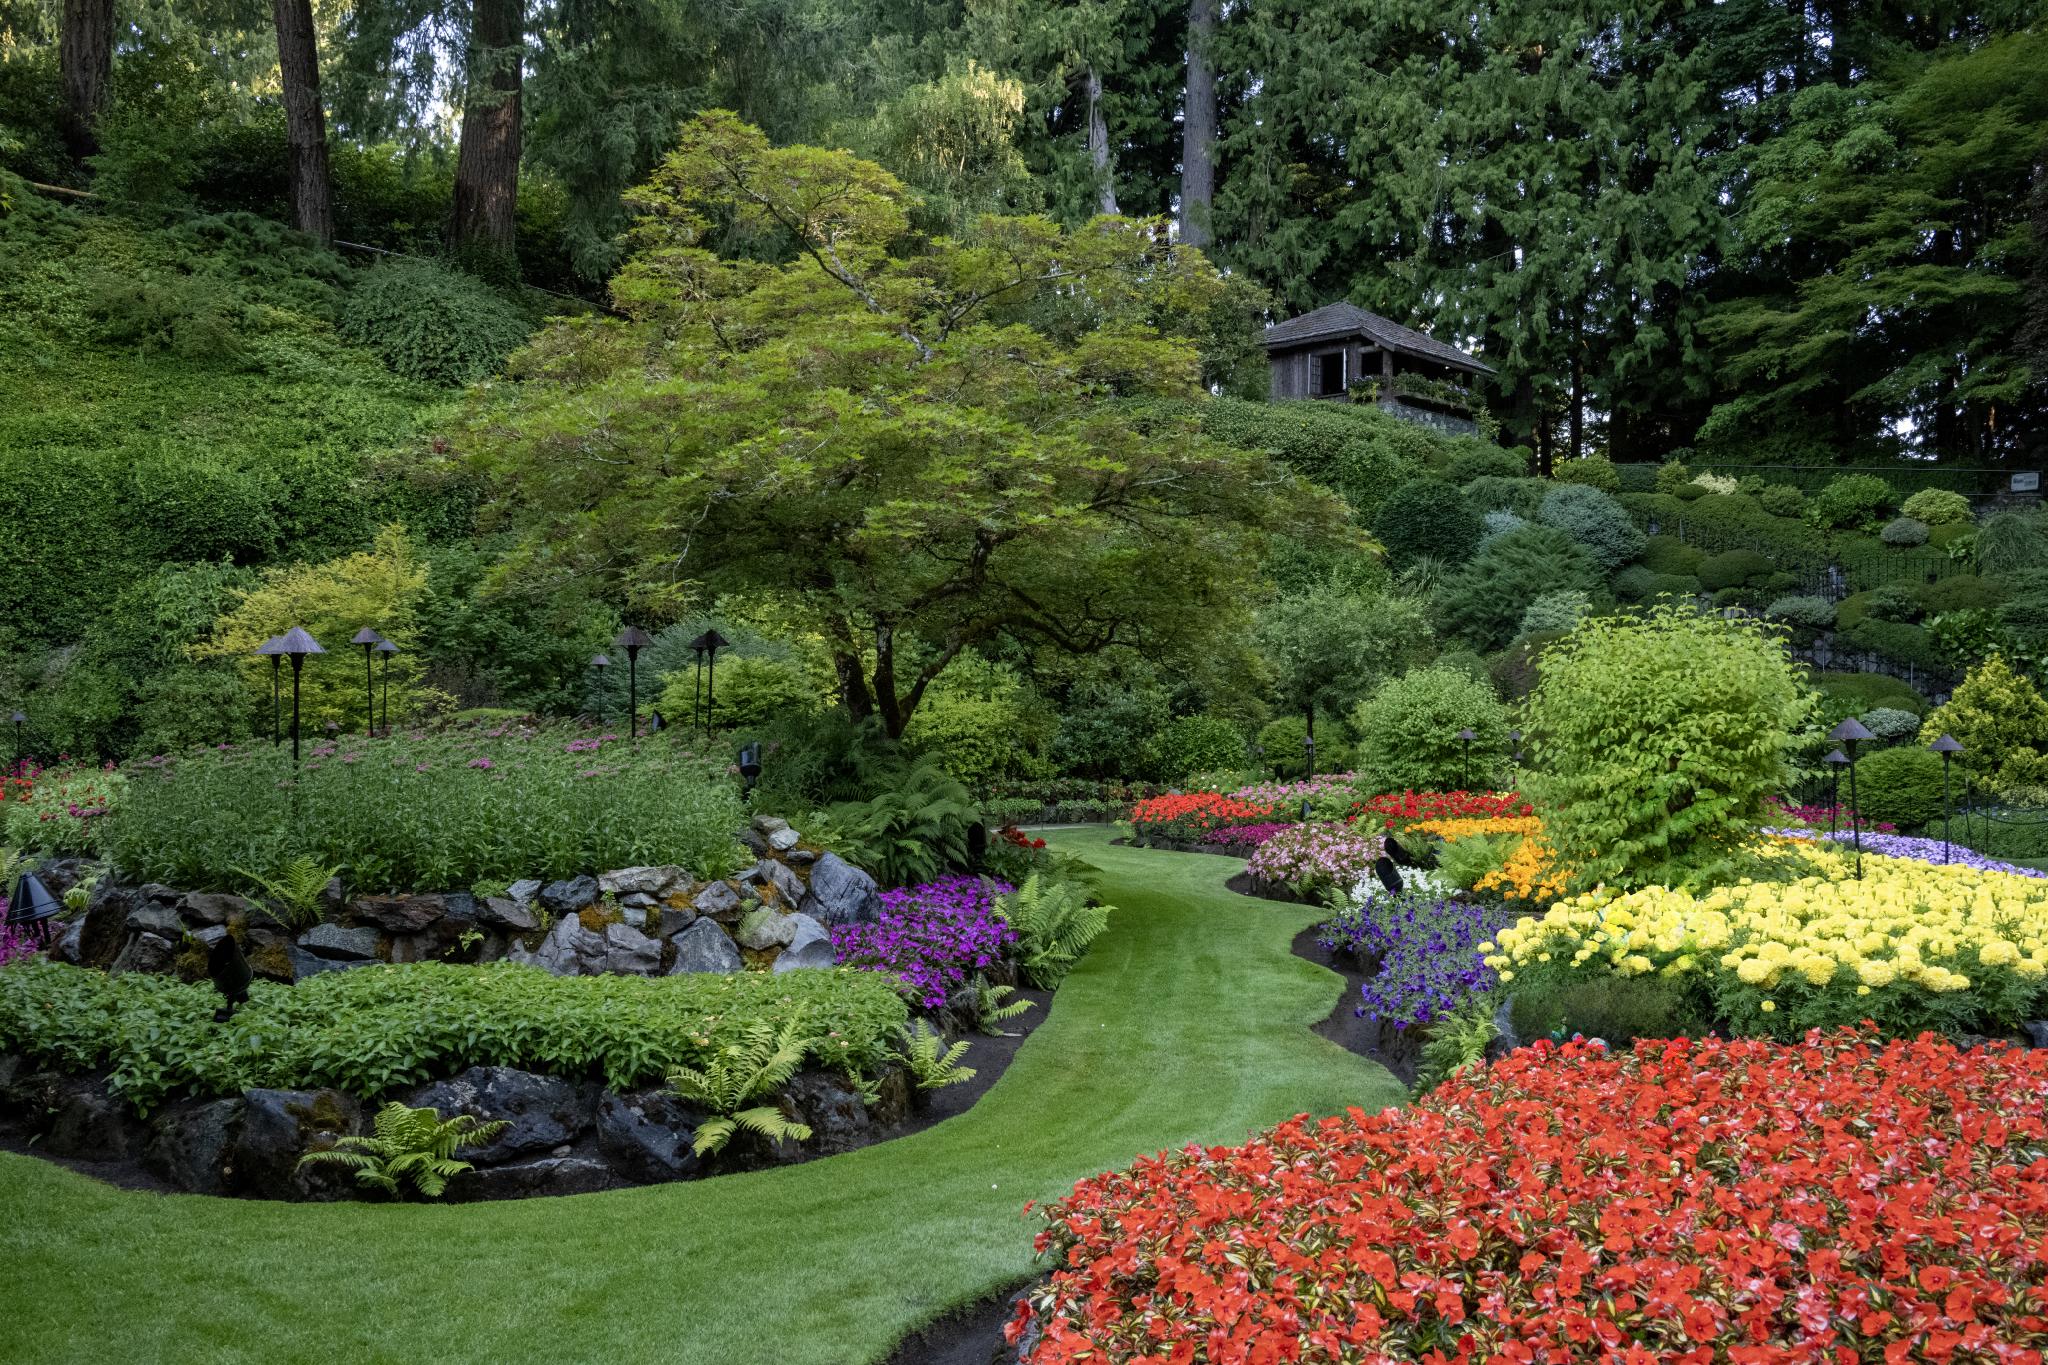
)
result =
(373, 1030)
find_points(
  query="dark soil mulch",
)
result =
(122, 1175)
(1395, 1049)
(971, 1336)
(1245, 884)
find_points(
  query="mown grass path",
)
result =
(1189, 1021)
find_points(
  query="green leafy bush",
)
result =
(1637, 584)
(1106, 730)
(1904, 644)
(1850, 694)
(1656, 742)
(1672, 475)
(426, 813)
(1850, 501)
(1890, 724)
(1734, 569)
(1810, 613)
(1520, 496)
(1554, 612)
(1351, 447)
(379, 1029)
(1937, 507)
(1903, 533)
(2011, 542)
(1194, 744)
(1782, 500)
(751, 691)
(1594, 471)
(1959, 592)
(914, 830)
(1478, 460)
(981, 738)
(1667, 554)
(1900, 786)
(1893, 603)
(1427, 519)
(1636, 478)
(1408, 733)
(1596, 521)
(2001, 720)
(1054, 923)
(431, 324)
(1484, 603)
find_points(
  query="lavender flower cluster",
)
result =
(932, 937)
(1254, 835)
(1269, 793)
(1925, 850)
(1427, 948)
(1316, 855)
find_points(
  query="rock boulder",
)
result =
(703, 947)
(841, 893)
(544, 1112)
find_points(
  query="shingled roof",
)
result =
(1335, 320)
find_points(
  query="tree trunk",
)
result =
(298, 62)
(1198, 129)
(85, 55)
(487, 166)
(1098, 147)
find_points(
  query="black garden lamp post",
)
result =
(633, 639)
(1836, 761)
(33, 905)
(655, 724)
(1948, 748)
(1308, 745)
(750, 767)
(1849, 734)
(600, 662)
(385, 649)
(1465, 736)
(296, 645)
(369, 640)
(20, 725)
(1515, 738)
(705, 647)
(274, 648)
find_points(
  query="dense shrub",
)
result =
(378, 1029)
(1734, 569)
(1484, 603)
(1850, 501)
(1596, 521)
(1890, 724)
(1903, 533)
(1959, 592)
(1782, 500)
(1297, 1237)
(1672, 475)
(2001, 720)
(1667, 554)
(1895, 640)
(1351, 447)
(1105, 730)
(1937, 507)
(1657, 741)
(1899, 786)
(1513, 671)
(1637, 584)
(1520, 496)
(1427, 519)
(1810, 613)
(978, 738)
(751, 691)
(2012, 541)
(1636, 478)
(1849, 694)
(1554, 612)
(1479, 460)
(1197, 744)
(1496, 524)
(1893, 603)
(431, 324)
(438, 814)
(1595, 471)
(1408, 733)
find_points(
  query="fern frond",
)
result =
(991, 1007)
(712, 1135)
(930, 1067)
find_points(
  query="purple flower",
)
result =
(1921, 850)
(1245, 834)
(1427, 951)
(481, 763)
(930, 937)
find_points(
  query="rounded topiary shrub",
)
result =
(1734, 569)
(1596, 521)
(1670, 555)
(1959, 592)
(1499, 524)
(1890, 724)
(1894, 602)
(1801, 612)
(1637, 584)
(1782, 500)
(1555, 611)
(1493, 494)
(1197, 744)
(1937, 507)
(431, 324)
(1427, 519)
(1656, 741)
(1408, 733)
(1595, 471)
(1903, 533)
(1636, 478)
(1899, 786)
(1672, 475)
(1476, 459)
(749, 692)
(1849, 501)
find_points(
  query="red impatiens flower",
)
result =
(1692, 1201)
(1459, 805)
(1190, 815)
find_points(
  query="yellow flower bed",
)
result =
(1529, 874)
(1823, 947)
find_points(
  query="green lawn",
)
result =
(1189, 1021)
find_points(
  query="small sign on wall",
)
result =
(2029, 482)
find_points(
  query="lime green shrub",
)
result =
(431, 324)
(1657, 740)
(751, 691)
(1408, 733)
(1937, 507)
(1782, 500)
(1595, 471)
(1850, 501)
(1672, 475)
(2001, 720)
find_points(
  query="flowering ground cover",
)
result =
(933, 938)
(1460, 805)
(1426, 949)
(1925, 850)
(1292, 793)
(1820, 817)
(1315, 857)
(1253, 835)
(1690, 1201)
(1805, 943)
(1190, 815)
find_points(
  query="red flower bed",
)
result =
(1190, 815)
(1740, 1202)
(1414, 805)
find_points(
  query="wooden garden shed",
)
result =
(1342, 352)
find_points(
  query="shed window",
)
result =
(1330, 373)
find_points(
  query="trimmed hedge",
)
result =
(1899, 786)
